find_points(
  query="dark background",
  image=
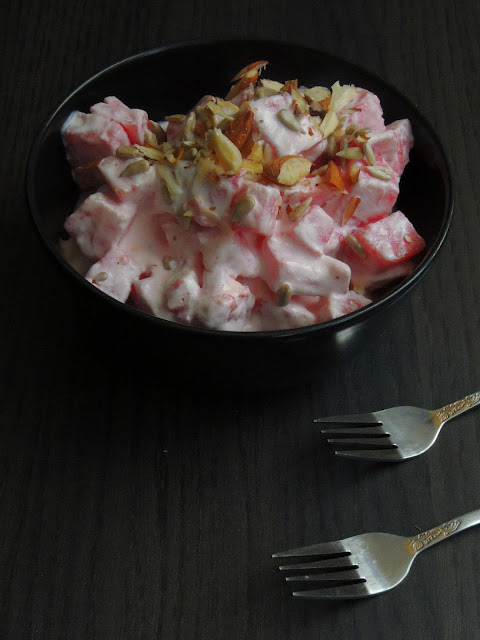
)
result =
(130, 509)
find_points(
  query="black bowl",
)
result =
(169, 80)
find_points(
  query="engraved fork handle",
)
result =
(437, 534)
(449, 411)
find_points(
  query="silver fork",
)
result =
(391, 435)
(369, 563)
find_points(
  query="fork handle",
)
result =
(437, 534)
(449, 411)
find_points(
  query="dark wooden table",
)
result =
(129, 510)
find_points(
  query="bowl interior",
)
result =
(172, 79)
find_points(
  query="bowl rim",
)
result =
(342, 322)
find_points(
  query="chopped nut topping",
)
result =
(350, 209)
(149, 152)
(127, 152)
(243, 208)
(370, 156)
(100, 277)
(227, 153)
(171, 184)
(288, 170)
(254, 66)
(177, 118)
(298, 212)
(168, 262)
(284, 295)
(351, 153)
(329, 123)
(317, 94)
(378, 172)
(289, 120)
(355, 246)
(158, 131)
(150, 139)
(134, 168)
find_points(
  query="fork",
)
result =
(392, 435)
(367, 564)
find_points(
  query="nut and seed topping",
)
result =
(227, 153)
(368, 151)
(289, 120)
(127, 153)
(149, 152)
(150, 139)
(134, 168)
(100, 277)
(298, 212)
(243, 208)
(329, 123)
(350, 153)
(158, 130)
(176, 118)
(355, 246)
(253, 66)
(171, 184)
(378, 172)
(350, 209)
(284, 295)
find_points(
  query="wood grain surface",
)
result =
(131, 509)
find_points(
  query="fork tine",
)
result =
(351, 418)
(356, 431)
(386, 455)
(324, 548)
(332, 576)
(371, 443)
(343, 592)
(342, 562)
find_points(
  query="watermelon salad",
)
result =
(271, 208)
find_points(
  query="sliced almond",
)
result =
(355, 246)
(253, 66)
(150, 139)
(166, 174)
(252, 166)
(288, 170)
(317, 94)
(256, 154)
(243, 208)
(158, 130)
(190, 124)
(150, 152)
(290, 85)
(370, 156)
(176, 118)
(354, 172)
(250, 77)
(335, 177)
(329, 123)
(284, 295)
(134, 168)
(227, 153)
(287, 118)
(350, 209)
(350, 153)
(300, 104)
(127, 152)
(298, 212)
(267, 152)
(342, 95)
(238, 129)
(378, 172)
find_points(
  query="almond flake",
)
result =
(158, 130)
(289, 120)
(370, 156)
(177, 118)
(354, 172)
(150, 139)
(284, 295)
(350, 209)
(288, 170)
(134, 168)
(297, 213)
(150, 152)
(342, 95)
(227, 153)
(253, 66)
(171, 184)
(127, 153)
(189, 129)
(329, 123)
(317, 94)
(252, 166)
(378, 172)
(355, 246)
(351, 153)
(243, 208)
